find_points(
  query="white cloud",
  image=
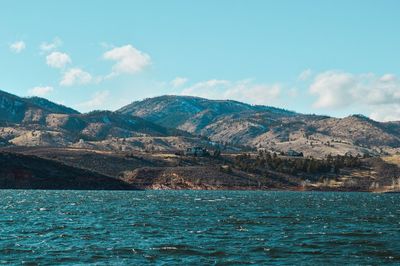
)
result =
(128, 59)
(244, 90)
(178, 82)
(333, 89)
(212, 89)
(50, 46)
(75, 76)
(379, 95)
(58, 59)
(390, 112)
(339, 89)
(17, 47)
(98, 100)
(388, 78)
(40, 90)
(306, 74)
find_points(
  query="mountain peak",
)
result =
(51, 106)
(16, 109)
(174, 110)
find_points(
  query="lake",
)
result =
(198, 227)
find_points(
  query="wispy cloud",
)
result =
(97, 101)
(178, 82)
(305, 75)
(17, 47)
(40, 90)
(243, 90)
(46, 47)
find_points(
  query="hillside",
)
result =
(190, 113)
(268, 127)
(50, 106)
(74, 168)
(38, 122)
(14, 109)
(171, 123)
(30, 172)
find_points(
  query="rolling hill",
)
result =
(176, 122)
(39, 122)
(268, 127)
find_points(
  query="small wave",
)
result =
(179, 249)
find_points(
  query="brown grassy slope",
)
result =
(19, 171)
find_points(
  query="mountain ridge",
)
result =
(267, 127)
(39, 122)
(171, 122)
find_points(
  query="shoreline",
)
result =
(72, 169)
(203, 190)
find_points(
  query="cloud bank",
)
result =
(380, 95)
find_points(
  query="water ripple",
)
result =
(198, 227)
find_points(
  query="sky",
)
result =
(326, 57)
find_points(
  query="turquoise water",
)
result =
(198, 227)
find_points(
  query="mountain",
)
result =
(50, 106)
(192, 113)
(50, 146)
(14, 109)
(268, 127)
(100, 125)
(39, 122)
(177, 122)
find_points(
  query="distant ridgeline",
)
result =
(171, 123)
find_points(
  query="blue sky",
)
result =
(325, 57)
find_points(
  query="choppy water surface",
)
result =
(198, 227)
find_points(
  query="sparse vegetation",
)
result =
(228, 133)
(265, 161)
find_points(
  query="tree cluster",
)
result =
(265, 161)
